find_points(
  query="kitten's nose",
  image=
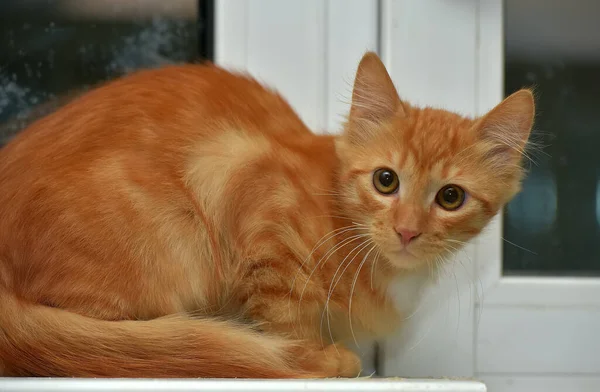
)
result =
(406, 236)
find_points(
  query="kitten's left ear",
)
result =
(508, 125)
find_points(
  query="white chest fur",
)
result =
(406, 291)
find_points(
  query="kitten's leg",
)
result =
(279, 295)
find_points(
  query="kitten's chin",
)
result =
(404, 260)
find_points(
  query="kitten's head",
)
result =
(424, 181)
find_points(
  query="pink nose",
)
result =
(406, 236)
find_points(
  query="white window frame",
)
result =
(553, 321)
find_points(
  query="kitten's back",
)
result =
(92, 196)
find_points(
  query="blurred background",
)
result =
(520, 308)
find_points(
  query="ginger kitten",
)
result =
(184, 222)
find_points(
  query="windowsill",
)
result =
(158, 385)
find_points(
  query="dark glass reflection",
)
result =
(553, 227)
(52, 50)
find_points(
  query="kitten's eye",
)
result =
(450, 197)
(386, 181)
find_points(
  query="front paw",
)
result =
(343, 362)
(332, 361)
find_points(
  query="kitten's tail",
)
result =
(37, 340)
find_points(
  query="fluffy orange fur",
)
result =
(184, 222)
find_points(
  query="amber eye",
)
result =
(450, 197)
(386, 181)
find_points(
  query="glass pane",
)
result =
(553, 227)
(53, 50)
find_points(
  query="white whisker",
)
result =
(320, 243)
(520, 247)
(373, 266)
(352, 292)
(329, 253)
(334, 283)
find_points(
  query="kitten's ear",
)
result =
(374, 97)
(508, 125)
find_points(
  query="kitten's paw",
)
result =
(331, 361)
(344, 362)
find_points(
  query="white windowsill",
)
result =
(158, 385)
